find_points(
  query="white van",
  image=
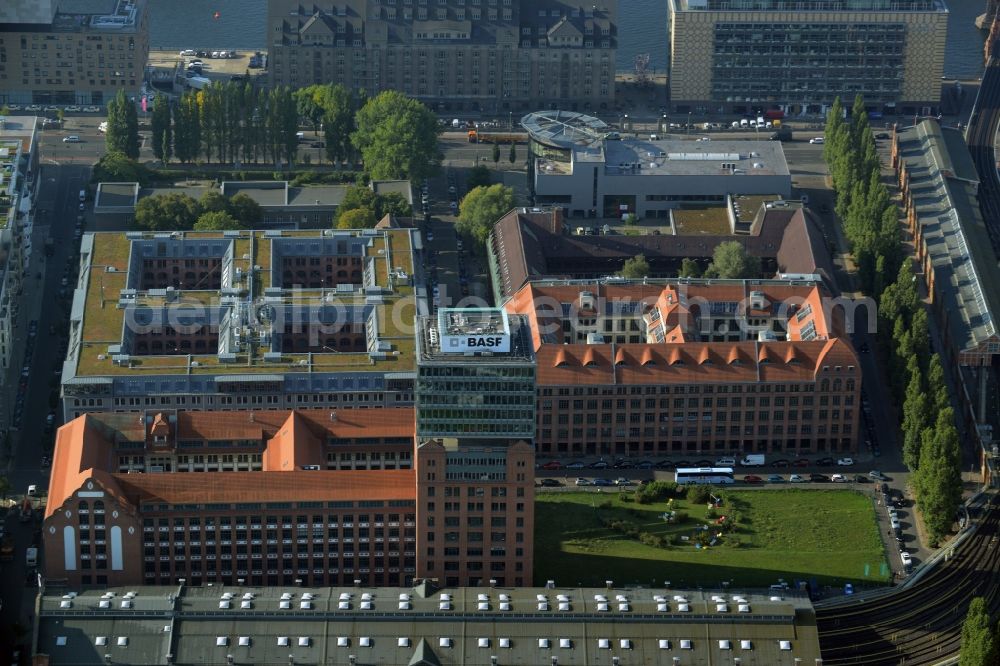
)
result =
(744, 123)
(83, 195)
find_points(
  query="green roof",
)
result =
(103, 299)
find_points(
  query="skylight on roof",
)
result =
(484, 642)
(221, 641)
(101, 640)
(282, 641)
(444, 642)
(625, 643)
(244, 641)
(685, 644)
(123, 641)
(604, 643)
(664, 643)
(746, 645)
(343, 641)
(402, 641)
(785, 645)
(504, 642)
(725, 645)
(566, 643)
(365, 641)
(543, 643)
(60, 641)
(303, 641)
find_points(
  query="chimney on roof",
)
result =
(556, 220)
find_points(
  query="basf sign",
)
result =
(472, 343)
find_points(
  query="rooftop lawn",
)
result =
(697, 220)
(790, 534)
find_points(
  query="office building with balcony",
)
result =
(691, 367)
(71, 51)
(240, 320)
(737, 56)
(267, 497)
(475, 421)
(494, 56)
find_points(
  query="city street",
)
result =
(56, 211)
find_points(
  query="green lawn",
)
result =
(829, 535)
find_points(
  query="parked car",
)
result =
(600, 464)
(602, 482)
(622, 481)
(796, 478)
(845, 462)
(775, 478)
(72, 138)
(664, 464)
(549, 483)
(877, 475)
(583, 482)
(819, 478)
(817, 139)
(576, 464)
(781, 462)
(825, 462)
(752, 478)
(552, 465)
(801, 462)
(838, 478)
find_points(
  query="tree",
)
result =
(915, 420)
(481, 208)
(477, 176)
(392, 203)
(397, 137)
(123, 126)
(338, 123)
(730, 260)
(160, 125)
(979, 646)
(512, 156)
(356, 196)
(689, 269)
(937, 387)
(117, 168)
(939, 478)
(356, 218)
(216, 220)
(246, 210)
(167, 212)
(636, 267)
(213, 201)
(496, 154)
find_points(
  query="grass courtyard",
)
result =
(827, 535)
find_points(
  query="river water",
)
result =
(239, 24)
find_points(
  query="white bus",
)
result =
(706, 475)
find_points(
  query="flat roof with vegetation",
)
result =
(110, 295)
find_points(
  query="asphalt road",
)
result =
(56, 212)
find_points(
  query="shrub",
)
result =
(699, 494)
(656, 491)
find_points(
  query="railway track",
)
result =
(921, 624)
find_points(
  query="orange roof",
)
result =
(81, 452)
(294, 446)
(215, 487)
(694, 362)
(258, 425)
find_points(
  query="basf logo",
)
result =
(462, 344)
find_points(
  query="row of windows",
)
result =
(666, 389)
(704, 402)
(745, 416)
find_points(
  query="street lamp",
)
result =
(687, 130)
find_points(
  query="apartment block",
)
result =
(735, 56)
(242, 320)
(491, 56)
(71, 52)
(688, 367)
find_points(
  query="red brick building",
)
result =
(681, 368)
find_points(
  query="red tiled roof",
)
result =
(215, 487)
(694, 362)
